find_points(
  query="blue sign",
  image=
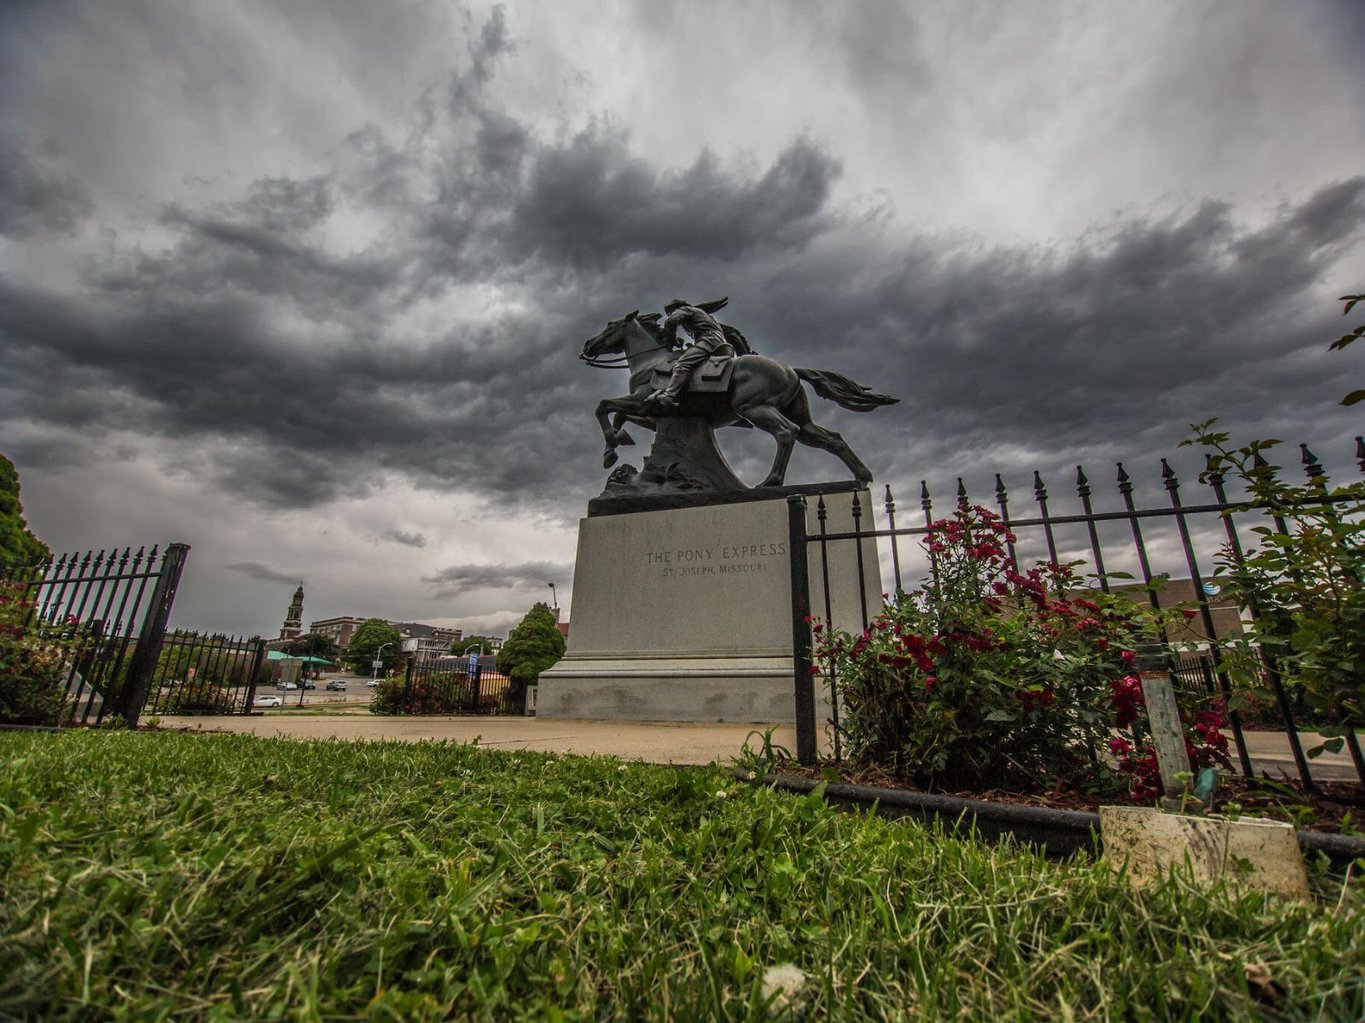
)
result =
(473, 661)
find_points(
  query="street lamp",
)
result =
(378, 659)
(555, 597)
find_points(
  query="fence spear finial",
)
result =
(1311, 466)
(1168, 476)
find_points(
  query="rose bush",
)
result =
(989, 677)
(33, 663)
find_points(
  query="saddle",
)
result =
(710, 377)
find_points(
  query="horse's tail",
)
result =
(847, 393)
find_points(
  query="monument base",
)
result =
(684, 614)
(755, 689)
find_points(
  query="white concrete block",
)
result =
(1248, 852)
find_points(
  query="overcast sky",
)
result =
(303, 284)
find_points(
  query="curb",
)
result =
(1057, 832)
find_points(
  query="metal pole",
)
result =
(801, 632)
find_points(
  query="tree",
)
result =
(18, 546)
(531, 647)
(315, 644)
(472, 643)
(373, 634)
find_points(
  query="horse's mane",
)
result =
(650, 321)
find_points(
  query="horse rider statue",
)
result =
(708, 337)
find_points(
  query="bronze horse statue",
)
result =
(761, 392)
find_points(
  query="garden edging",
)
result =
(1057, 832)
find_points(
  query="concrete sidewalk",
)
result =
(651, 741)
(654, 742)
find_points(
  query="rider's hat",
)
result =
(713, 306)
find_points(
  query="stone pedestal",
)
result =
(684, 613)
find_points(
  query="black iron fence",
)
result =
(448, 685)
(203, 673)
(1169, 551)
(96, 618)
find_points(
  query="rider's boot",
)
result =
(668, 396)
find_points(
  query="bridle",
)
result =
(618, 361)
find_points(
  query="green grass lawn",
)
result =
(164, 875)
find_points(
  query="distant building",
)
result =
(339, 630)
(1224, 610)
(293, 620)
(292, 627)
(418, 637)
(426, 640)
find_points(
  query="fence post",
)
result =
(801, 633)
(143, 664)
(258, 655)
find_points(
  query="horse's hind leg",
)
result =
(782, 430)
(813, 435)
(818, 437)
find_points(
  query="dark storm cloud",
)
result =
(593, 202)
(530, 575)
(276, 359)
(256, 570)
(35, 198)
(403, 537)
(196, 341)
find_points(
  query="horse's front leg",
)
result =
(624, 406)
(618, 423)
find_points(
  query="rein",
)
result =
(618, 361)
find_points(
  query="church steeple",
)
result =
(293, 621)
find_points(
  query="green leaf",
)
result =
(1346, 339)
(1353, 397)
(1330, 746)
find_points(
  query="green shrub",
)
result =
(988, 677)
(198, 698)
(1306, 586)
(33, 664)
(423, 696)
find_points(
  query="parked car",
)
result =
(286, 686)
(307, 684)
(268, 700)
(336, 685)
(375, 683)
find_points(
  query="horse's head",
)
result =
(611, 340)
